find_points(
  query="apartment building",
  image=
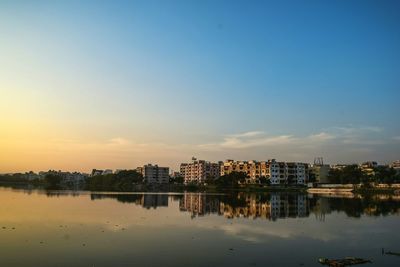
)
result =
(199, 170)
(251, 168)
(276, 172)
(153, 174)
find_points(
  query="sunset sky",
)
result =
(117, 84)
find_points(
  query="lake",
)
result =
(65, 228)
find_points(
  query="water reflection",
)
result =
(272, 206)
(145, 200)
(67, 228)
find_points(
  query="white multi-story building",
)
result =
(199, 170)
(288, 172)
(153, 174)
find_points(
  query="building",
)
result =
(321, 172)
(277, 172)
(96, 172)
(199, 170)
(107, 171)
(339, 166)
(368, 167)
(153, 174)
(251, 168)
(288, 172)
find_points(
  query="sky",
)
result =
(118, 84)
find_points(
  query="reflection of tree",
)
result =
(370, 205)
(145, 200)
(123, 198)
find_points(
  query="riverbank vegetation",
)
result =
(352, 174)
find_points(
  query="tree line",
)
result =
(352, 174)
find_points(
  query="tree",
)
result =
(384, 174)
(232, 179)
(265, 181)
(177, 179)
(350, 174)
(52, 180)
(122, 181)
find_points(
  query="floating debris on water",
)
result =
(343, 262)
(392, 253)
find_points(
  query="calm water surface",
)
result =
(39, 228)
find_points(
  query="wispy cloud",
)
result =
(322, 136)
(260, 139)
(349, 135)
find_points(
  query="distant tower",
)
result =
(319, 161)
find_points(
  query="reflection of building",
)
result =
(198, 171)
(253, 207)
(154, 200)
(199, 204)
(153, 174)
(321, 208)
(276, 172)
(288, 205)
(271, 207)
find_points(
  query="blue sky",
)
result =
(116, 84)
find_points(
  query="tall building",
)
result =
(199, 170)
(153, 174)
(320, 171)
(276, 172)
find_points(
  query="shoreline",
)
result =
(197, 188)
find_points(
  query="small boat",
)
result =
(343, 262)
